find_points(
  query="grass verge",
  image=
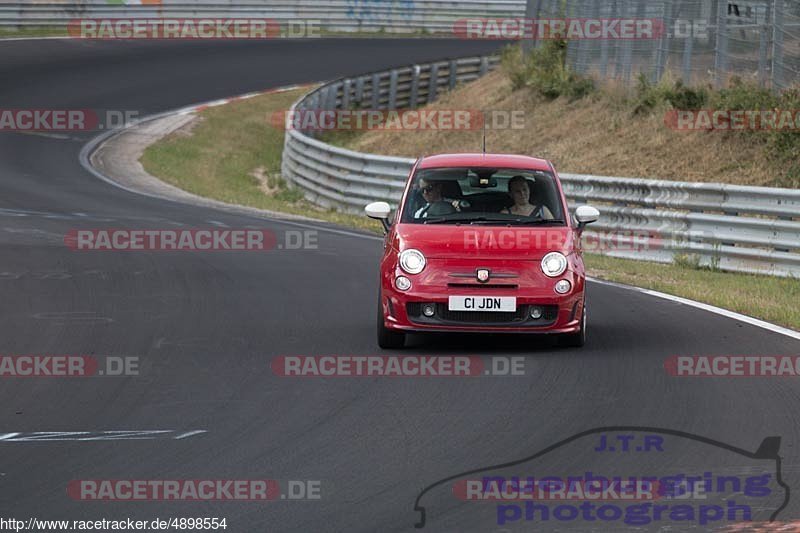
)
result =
(233, 154)
(33, 32)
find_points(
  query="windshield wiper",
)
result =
(470, 220)
(533, 221)
(519, 221)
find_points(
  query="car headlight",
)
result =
(412, 261)
(554, 264)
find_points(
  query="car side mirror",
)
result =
(379, 211)
(586, 214)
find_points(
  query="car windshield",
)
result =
(489, 196)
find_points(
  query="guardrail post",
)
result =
(412, 98)
(453, 74)
(484, 67)
(376, 90)
(346, 94)
(359, 96)
(330, 96)
(393, 90)
(433, 82)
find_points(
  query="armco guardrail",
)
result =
(737, 228)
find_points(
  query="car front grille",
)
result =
(519, 317)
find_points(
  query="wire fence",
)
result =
(700, 41)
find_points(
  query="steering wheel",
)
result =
(442, 208)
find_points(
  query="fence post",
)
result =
(721, 48)
(777, 46)
(604, 45)
(687, 59)
(533, 10)
(662, 44)
(582, 61)
(763, 47)
(627, 49)
(453, 74)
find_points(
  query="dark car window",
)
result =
(482, 196)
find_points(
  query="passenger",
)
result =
(520, 192)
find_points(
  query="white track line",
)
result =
(706, 307)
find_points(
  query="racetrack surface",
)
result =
(205, 327)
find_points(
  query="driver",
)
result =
(432, 193)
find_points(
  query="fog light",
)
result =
(428, 310)
(563, 286)
(402, 283)
(536, 313)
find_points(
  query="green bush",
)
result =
(677, 95)
(544, 70)
(743, 96)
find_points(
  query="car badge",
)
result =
(483, 275)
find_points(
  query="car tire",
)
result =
(578, 339)
(388, 339)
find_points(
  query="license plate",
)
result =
(502, 304)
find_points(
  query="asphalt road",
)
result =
(205, 327)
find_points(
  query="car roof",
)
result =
(485, 160)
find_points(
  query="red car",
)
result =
(482, 243)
